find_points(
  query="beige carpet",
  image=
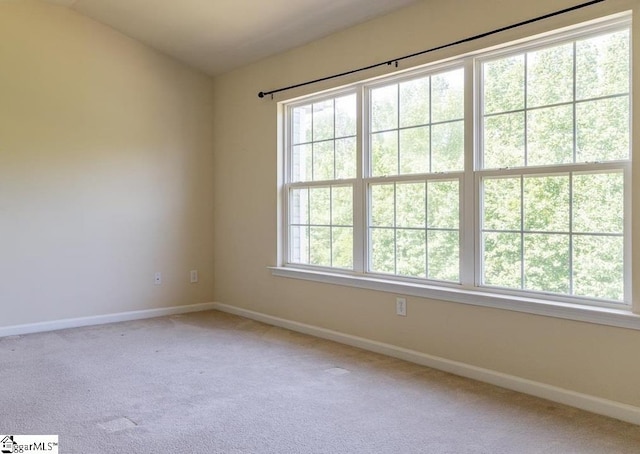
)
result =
(216, 383)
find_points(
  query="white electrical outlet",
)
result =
(157, 278)
(194, 276)
(401, 306)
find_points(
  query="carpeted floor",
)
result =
(215, 383)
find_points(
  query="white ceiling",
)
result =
(219, 35)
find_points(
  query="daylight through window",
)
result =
(506, 171)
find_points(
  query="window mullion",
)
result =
(468, 211)
(360, 224)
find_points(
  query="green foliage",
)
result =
(345, 158)
(383, 257)
(502, 199)
(504, 84)
(414, 150)
(346, 115)
(560, 231)
(546, 262)
(383, 205)
(504, 140)
(546, 203)
(342, 205)
(602, 65)
(384, 108)
(324, 138)
(443, 204)
(447, 152)
(502, 259)
(342, 247)
(603, 129)
(414, 102)
(320, 246)
(384, 153)
(416, 145)
(410, 205)
(411, 253)
(323, 120)
(598, 269)
(323, 160)
(444, 255)
(550, 136)
(411, 246)
(447, 96)
(598, 203)
(550, 76)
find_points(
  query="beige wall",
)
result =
(592, 359)
(105, 170)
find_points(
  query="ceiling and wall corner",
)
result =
(221, 35)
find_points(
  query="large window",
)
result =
(506, 171)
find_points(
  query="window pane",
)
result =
(598, 267)
(319, 206)
(382, 250)
(598, 203)
(382, 205)
(546, 203)
(323, 160)
(342, 247)
(504, 141)
(384, 108)
(550, 136)
(323, 120)
(346, 117)
(301, 124)
(603, 129)
(414, 150)
(299, 203)
(550, 76)
(414, 102)
(546, 263)
(346, 158)
(447, 147)
(342, 205)
(447, 96)
(301, 163)
(320, 246)
(443, 204)
(299, 244)
(384, 147)
(501, 201)
(411, 253)
(502, 259)
(602, 65)
(444, 255)
(410, 205)
(504, 84)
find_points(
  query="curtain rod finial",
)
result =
(261, 95)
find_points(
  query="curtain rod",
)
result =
(395, 61)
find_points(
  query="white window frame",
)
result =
(469, 290)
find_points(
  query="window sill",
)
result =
(620, 318)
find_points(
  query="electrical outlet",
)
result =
(193, 274)
(401, 306)
(157, 278)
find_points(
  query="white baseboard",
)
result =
(102, 319)
(586, 402)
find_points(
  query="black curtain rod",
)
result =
(395, 61)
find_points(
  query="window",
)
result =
(416, 150)
(323, 169)
(505, 171)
